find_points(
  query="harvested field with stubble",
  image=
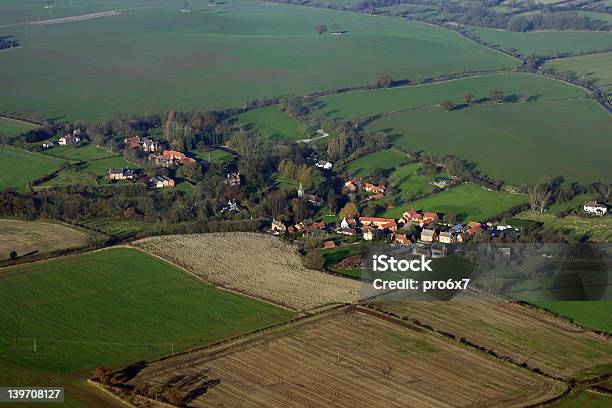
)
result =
(255, 264)
(347, 359)
(511, 330)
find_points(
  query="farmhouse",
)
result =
(325, 165)
(170, 158)
(428, 235)
(329, 245)
(411, 216)
(595, 208)
(120, 174)
(429, 217)
(71, 138)
(348, 223)
(371, 188)
(440, 182)
(232, 179)
(351, 186)
(376, 196)
(391, 226)
(445, 237)
(161, 182)
(401, 239)
(368, 233)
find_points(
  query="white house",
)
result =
(322, 164)
(595, 208)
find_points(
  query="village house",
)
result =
(120, 174)
(595, 208)
(351, 186)
(325, 165)
(232, 179)
(371, 188)
(401, 239)
(132, 143)
(351, 232)
(445, 237)
(429, 217)
(48, 145)
(161, 182)
(411, 216)
(440, 182)
(428, 235)
(278, 226)
(170, 158)
(368, 233)
(391, 226)
(376, 196)
(150, 145)
(311, 198)
(329, 245)
(71, 138)
(473, 228)
(376, 221)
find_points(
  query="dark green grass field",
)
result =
(547, 42)
(92, 172)
(593, 314)
(272, 123)
(83, 152)
(11, 127)
(594, 67)
(216, 155)
(382, 159)
(18, 167)
(112, 308)
(373, 102)
(517, 142)
(467, 202)
(217, 58)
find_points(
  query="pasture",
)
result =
(363, 104)
(595, 228)
(110, 308)
(388, 159)
(12, 127)
(274, 271)
(593, 314)
(547, 43)
(272, 123)
(81, 152)
(26, 237)
(349, 359)
(217, 58)
(594, 67)
(514, 142)
(468, 202)
(514, 331)
(215, 155)
(19, 167)
(91, 172)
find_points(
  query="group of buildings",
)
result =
(376, 191)
(157, 154)
(74, 137)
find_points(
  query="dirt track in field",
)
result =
(348, 359)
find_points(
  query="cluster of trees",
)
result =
(8, 41)
(306, 175)
(555, 21)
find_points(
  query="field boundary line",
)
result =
(201, 279)
(104, 389)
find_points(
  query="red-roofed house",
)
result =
(371, 188)
(401, 239)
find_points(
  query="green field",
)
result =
(588, 67)
(373, 102)
(216, 155)
(271, 122)
(585, 398)
(517, 142)
(382, 159)
(467, 202)
(84, 152)
(596, 228)
(217, 58)
(91, 172)
(593, 314)
(111, 308)
(18, 167)
(11, 127)
(547, 42)
(406, 179)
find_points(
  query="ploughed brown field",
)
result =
(259, 265)
(523, 334)
(29, 236)
(346, 358)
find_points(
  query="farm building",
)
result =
(170, 158)
(161, 182)
(595, 208)
(120, 174)
(71, 138)
(278, 226)
(371, 188)
(428, 235)
(376, 196)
